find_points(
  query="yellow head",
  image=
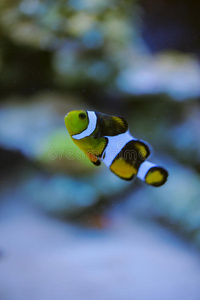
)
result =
(76, 121)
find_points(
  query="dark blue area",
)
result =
(171, 25)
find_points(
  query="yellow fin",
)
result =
(101, 145)
(97, 150)
(156, 176)
(97, 147)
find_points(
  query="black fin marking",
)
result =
(109, 125)
(134, 153)
(97, 163)
(128, 160)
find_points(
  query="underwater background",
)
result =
(68, 229)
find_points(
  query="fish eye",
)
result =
(82, 116)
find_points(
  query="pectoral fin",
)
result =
(100, 146)
(96, 149)
(93, 159)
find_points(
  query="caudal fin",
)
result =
(152, 174)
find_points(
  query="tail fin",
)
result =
(152, 174)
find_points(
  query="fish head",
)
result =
(76, 121)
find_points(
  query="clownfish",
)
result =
(105, 138)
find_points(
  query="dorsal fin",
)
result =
(110, 125)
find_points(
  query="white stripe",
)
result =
(92, 121)
(144, 168)
(115, 145)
